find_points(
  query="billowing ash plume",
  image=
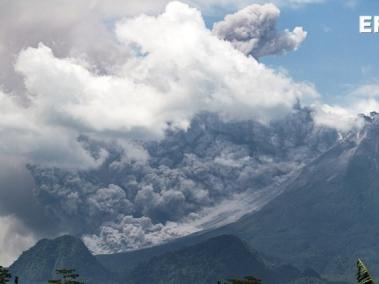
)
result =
(130, 202)
(252, 30)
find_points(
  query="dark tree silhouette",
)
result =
(5, 275)
(66, 276)
(246, 280)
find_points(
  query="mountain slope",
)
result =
(328, 216)
(38, 264)
(325, 219)
(218, 258)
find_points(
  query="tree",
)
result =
(66, 276)
(5, 276)
(246, 280)
(363, 275)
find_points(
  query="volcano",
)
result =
(327, 216)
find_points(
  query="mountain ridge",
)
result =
(208, 261)
(39, 263)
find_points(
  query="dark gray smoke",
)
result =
(129, 202)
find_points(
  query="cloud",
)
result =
(210, 6)
(351, 3)
(366, 90)
(343, 119)
(14, 239)
(81, 28)
(164, 84)
(364, 98)
(300, 2)
(344, 116)
(84, 92)
(252, 30)
(73, 28)
(26, 134)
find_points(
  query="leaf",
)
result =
(363, 275)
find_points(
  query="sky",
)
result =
(335, 56)
(119, 71)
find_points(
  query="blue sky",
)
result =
(335, 56)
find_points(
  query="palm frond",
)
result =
(363, 275)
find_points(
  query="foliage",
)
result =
(246, 280)
(363, 275)
(5, 276)
(66, 276)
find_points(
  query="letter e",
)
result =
(365, 24)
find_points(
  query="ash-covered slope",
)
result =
(211, 174)
(329, 215)
(38, 264)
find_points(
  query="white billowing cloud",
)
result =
(364, 98)
(14, 238)
(171, 77)
(366, 90)
(361, 100)
(25, 134)
(210, 5)
(252, 30)
(338, 117)
(80, 28)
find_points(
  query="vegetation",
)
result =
(247, 280)
(69, 276)
(5, 276)
(66, 276)
(363, 275)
